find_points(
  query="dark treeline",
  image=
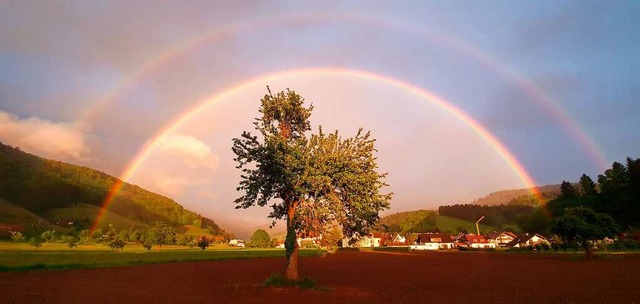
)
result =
(616, 194)
(494, 215)
(38, 185)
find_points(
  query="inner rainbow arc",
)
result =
(424, 94)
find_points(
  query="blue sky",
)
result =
(58, 60)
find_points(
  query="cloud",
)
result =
(63, 141)
(190, 149)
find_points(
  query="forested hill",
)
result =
(44, 186)
(518, 196)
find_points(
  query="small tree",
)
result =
(123, 235)
(117, 244)
(581, 224)
(147, 244)
(17, 237)
(160, 234)
(36, 242)
(260, 239)
(48, 235)
(203, 242)
(332, 236)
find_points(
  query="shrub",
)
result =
(203, 242)
(147, 244)
(36, 242)
(117, 244)
(17, 237)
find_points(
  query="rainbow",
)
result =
(534, 92)
(425, 95)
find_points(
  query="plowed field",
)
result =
(349, 277)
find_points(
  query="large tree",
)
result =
(310, 180)
(581, 224)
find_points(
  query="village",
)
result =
(424, 241)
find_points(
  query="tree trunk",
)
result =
(291, 244)
(587, 249)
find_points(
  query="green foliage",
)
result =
(135, 236)
(410, 221)
(161, 234)
(35, 242)
(315, 180)
(203, 242)
(454, 225)
(582, 225)
(519, 196)
(147, 244)
(619, 195)
(123, 235)
(567, 191)
(278, 280)
(332, 236)
(494, 215)
(17, 237)
(186, 240)
(117, 244)
(48, 236)
(260, 239)
(537, 222)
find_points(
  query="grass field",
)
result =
(23, 256)
(451, 224)
(81, 211)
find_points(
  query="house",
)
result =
(526, 239)
(433, 241)
(375, 239)
(236, 243)
(309, 239)
(504, 238)
(476, 241)
(398, 241)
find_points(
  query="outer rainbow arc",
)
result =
(509, 73)
(150, 145)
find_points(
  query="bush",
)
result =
(37, 243)
(147, 244)
(203, 242)
(17, 237)
(117, 244)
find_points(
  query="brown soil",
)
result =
(351, 277)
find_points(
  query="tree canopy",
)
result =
(310, 180)
(260, 239)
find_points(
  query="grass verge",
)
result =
(24, 260)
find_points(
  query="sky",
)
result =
(464, 98)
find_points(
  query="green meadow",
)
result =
(23, 256)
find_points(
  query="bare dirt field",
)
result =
(350, 277)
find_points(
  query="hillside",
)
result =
(427, 221)
(14, 215)
(56, 190)
(517, 196)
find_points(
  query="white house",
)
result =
(433, 241)
(528, 240)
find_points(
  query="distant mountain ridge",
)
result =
(505, 197)
(52, 189)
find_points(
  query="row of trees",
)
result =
(591, 211)
(158, 235)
